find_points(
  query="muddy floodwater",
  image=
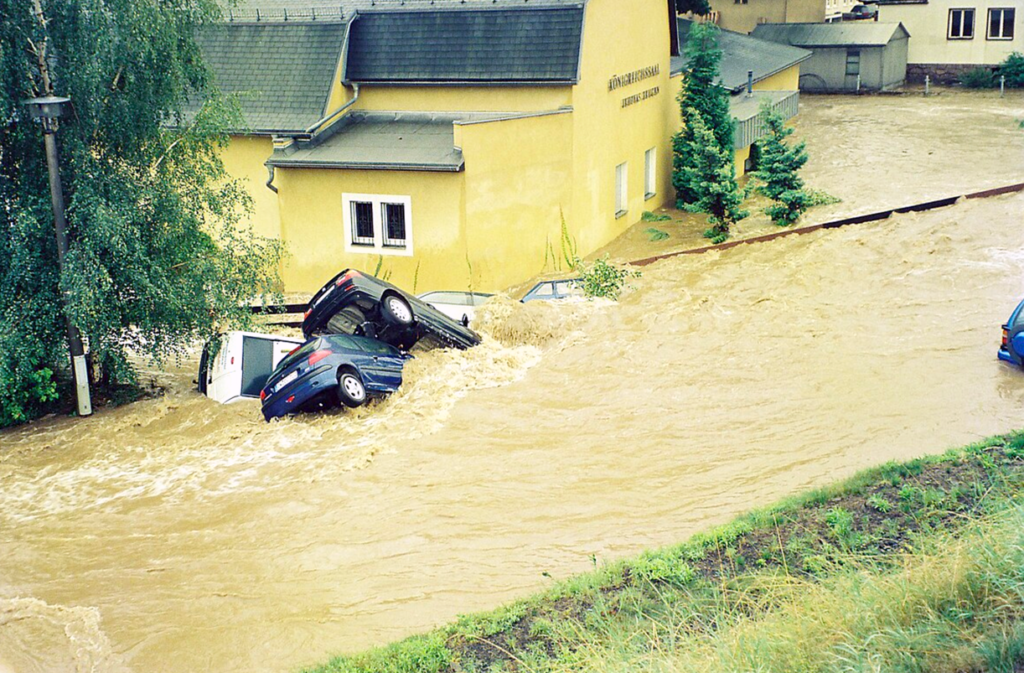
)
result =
(178, 535)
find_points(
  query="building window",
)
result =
(853, 62)
(961, 24)
(1000, 24)
(378, 223)
(650, 173)
(393, 216)
(621, 190)
(362, 223)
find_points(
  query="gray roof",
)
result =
(381, 140)
(539, 44)
(326, 10)
(741, 53)
(744, 107)
(851, 34)
(281, 72)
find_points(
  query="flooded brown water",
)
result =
(180, 535)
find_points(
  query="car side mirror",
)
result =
(465, 320)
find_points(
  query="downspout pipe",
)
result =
(270, 179)
(312, 130)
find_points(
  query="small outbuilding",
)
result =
(847, 57)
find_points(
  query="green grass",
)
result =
(915, 566)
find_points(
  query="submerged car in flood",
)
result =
(1012, 347)
(554, 290)
(457, 305)
(359, 304)
(330, 370)
(236, 365)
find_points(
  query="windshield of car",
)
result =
(546, 289)
(297, 354)
(567, 287)
(455, 298)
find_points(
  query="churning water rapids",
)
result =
(179, 535)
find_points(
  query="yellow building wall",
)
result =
(786, 80)
(607, 133)
(243, 160)
(518, 184)
(742, 17)
(312, 222)
(463, 99)
(739, 159)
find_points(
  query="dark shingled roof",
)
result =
(281, 72)
(741, 53)
(539, 44)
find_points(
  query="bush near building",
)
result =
(1013, 69)
(986, 78)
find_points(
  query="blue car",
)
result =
(1012, 348)
(329, 370)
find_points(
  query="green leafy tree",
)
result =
(159, 250)
(712, 175)
(778, 170)
(700, 7)
(701, 96)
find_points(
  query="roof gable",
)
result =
(846, 34)
(281, 72)
(535, 45)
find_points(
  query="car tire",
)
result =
(396, 310)
(351, 391)
(346, 321)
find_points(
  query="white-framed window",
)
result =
(377, 223)
(650, 173)
(1000, 23)
(961, 24)
(621, 189)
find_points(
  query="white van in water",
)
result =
(238, 364)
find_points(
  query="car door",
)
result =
(383, 364)
(1015, 334)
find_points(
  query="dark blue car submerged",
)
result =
(1012, 348)
(329, 370)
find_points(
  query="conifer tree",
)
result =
(778, 169)
(701, 96)
(712, 175)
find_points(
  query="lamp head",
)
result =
(47, 109)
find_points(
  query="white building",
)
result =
(951, 36)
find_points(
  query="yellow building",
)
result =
(743, 15)
(446, 142)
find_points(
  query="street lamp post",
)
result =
(47, 110)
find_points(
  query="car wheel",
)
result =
(396, 310)
(351, 391)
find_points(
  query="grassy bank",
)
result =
(915, 566)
